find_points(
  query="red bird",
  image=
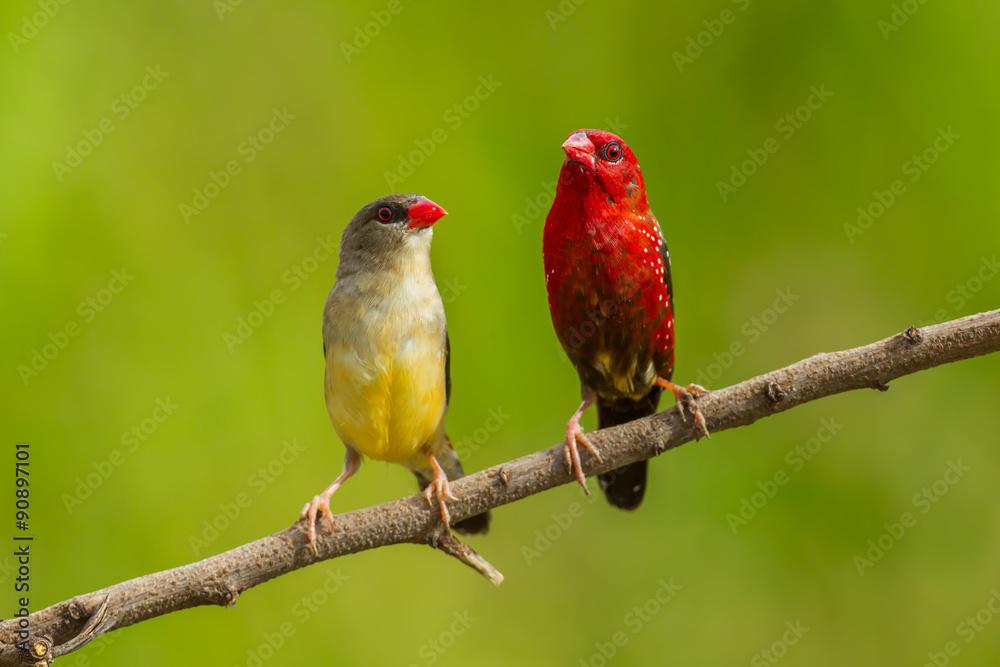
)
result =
(607, 271)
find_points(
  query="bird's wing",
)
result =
(665, 258)
(447, 368)
(329, 315)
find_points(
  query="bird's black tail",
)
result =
(478, 524)
(625, 486)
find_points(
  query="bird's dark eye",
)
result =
(613, 152)
(385, 214)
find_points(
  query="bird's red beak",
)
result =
(579, 149)
(424, 213)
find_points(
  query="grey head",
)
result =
(386, 231)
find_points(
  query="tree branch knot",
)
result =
(774, 392)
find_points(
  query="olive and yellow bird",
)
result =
(388, 370)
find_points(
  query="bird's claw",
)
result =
(575, 433)
(688, 398)
(685, 399)
(439, 487)
(310, 510)
(434, 489)
(699, 419)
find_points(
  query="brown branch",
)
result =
(219, 580)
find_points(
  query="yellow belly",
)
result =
(388, 400)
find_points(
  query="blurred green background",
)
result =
(350, 115)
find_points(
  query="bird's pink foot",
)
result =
(574, 434)
(685, 400)
(321, 503)
(440, 488)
